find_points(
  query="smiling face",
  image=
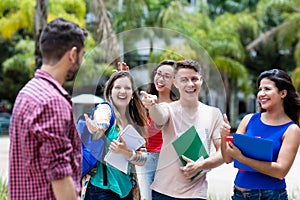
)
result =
(121, 92)
(268, 95)
(163, 78)
(188, 82)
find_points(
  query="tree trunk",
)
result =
(228, 94)
(106, 34)
(40, 21)
(267, 35)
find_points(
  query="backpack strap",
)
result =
(111, 123)
(112, 117)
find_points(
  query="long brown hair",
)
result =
(135, 111)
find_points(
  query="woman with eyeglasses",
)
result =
(161, 85)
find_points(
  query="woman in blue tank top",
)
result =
(278, 120)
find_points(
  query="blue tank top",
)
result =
(257, 180)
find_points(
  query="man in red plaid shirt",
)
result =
(45, 147)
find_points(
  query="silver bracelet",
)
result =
(133, 156)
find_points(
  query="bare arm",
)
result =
(64, 188)
(286, 156)
(158, 112)
(225, 130)
(100, 122)
(216, 158)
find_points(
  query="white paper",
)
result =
(133, 141)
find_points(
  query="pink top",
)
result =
(169, 180)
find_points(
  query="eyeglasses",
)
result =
(165, 77)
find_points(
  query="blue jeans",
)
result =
(146, 176)
(279, 194)
(159, 196)
(96, 193)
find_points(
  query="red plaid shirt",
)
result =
(44, 142)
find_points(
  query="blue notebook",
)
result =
(253, 147)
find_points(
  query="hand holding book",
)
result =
(191, 169)
(133, 141)
(190, 150)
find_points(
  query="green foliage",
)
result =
(16, 15)
(272, 12)
(297, 52)
(296, 78)
(17, 23)
(193, 25)
(3, 189)
(236, 71)
(222, 27)
(178, 52)
(219, 7)
(93, 67)
(73, 10)
(17, 70)
(130, 16)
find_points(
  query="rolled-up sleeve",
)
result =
(51, 127)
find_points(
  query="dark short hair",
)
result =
(282, 80)
(187, 64)
(58, 37)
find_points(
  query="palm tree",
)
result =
(105, 33)
(21, 24)
(278, 37)
(40, 21)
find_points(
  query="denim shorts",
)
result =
(279, 194)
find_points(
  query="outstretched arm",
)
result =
(100, 122)
(158, 112)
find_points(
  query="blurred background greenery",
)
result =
(242, 37)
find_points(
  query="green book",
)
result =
(190, 145)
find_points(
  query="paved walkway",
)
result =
(220, 179)
(4, 148)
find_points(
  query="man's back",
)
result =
(44, 142)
